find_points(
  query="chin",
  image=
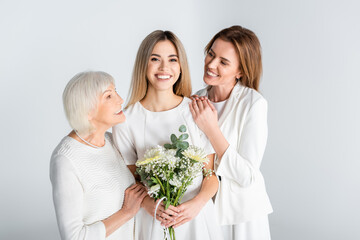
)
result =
(208, 81)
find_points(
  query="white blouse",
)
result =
(88, 186)
(219, 106)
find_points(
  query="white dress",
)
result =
(144, 129)
(88, 186)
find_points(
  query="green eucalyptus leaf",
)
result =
(168, 146)
(173, 138)
(178, 152)
(182, 145)
(184, 136)
(182, 128)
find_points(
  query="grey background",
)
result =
(311, 61)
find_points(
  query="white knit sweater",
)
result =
(88, 186)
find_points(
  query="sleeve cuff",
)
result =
(99, 230)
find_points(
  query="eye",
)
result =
(173, 60)
(108, 96)
(223, 63)
(154, 59)
(210, 54)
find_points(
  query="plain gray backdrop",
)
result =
(311, 59)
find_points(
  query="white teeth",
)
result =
(211, 74)
(118, 111)
(163, 76)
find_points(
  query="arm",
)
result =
(191, 208)
(134, 195)
(68, 201)
(239, 163)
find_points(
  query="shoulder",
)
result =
(132, 110)
(184, 106)
(61, 156)
(186, 100)
(64, 148)
(202, 92)
(248, 96)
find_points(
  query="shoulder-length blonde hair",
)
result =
(139, 82)
(248, 48)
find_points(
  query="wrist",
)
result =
(147, 199)
(126, 213)
(200, 200)
(212, 132)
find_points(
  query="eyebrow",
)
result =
(107, 91)
(157, 55)
(225, 59)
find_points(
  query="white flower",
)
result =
(196, 154)
(154, 190)
(175, 182)
(151, 155)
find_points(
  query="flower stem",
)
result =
(162, 187)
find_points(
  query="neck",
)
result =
(96, 138)
(220, 93)
(158, 101)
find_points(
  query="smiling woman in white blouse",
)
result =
(233, 115)
(94, 192)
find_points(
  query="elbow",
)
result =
(247, 182)
(79, 233)
(247, 178)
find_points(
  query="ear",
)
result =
(238, 75)
(91, 115)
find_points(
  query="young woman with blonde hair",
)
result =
(233, 115)
(157, 107)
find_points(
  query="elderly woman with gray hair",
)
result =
(94, 192)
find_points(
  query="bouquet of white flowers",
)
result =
(168, 170)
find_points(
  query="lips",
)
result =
(211, 74)
(119, 112)
(163, 76)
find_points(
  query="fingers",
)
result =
(171, 212)
(179, 222)
(192, 97)
(143, 195)
(195, 106)
(209, 104)
(193, 113)
(200, 105)
(132, 187)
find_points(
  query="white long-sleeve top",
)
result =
(88, 186)
(242, 194)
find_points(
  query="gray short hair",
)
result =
(81, 96)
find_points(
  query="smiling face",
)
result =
(221, 64)
(163, 67)
(108, 112)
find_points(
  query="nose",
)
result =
(163, 65)
(212, 63)
(120, 100)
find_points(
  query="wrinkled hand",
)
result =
(188, 211)
(161, 215)
(134, 195)
(204, 114)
